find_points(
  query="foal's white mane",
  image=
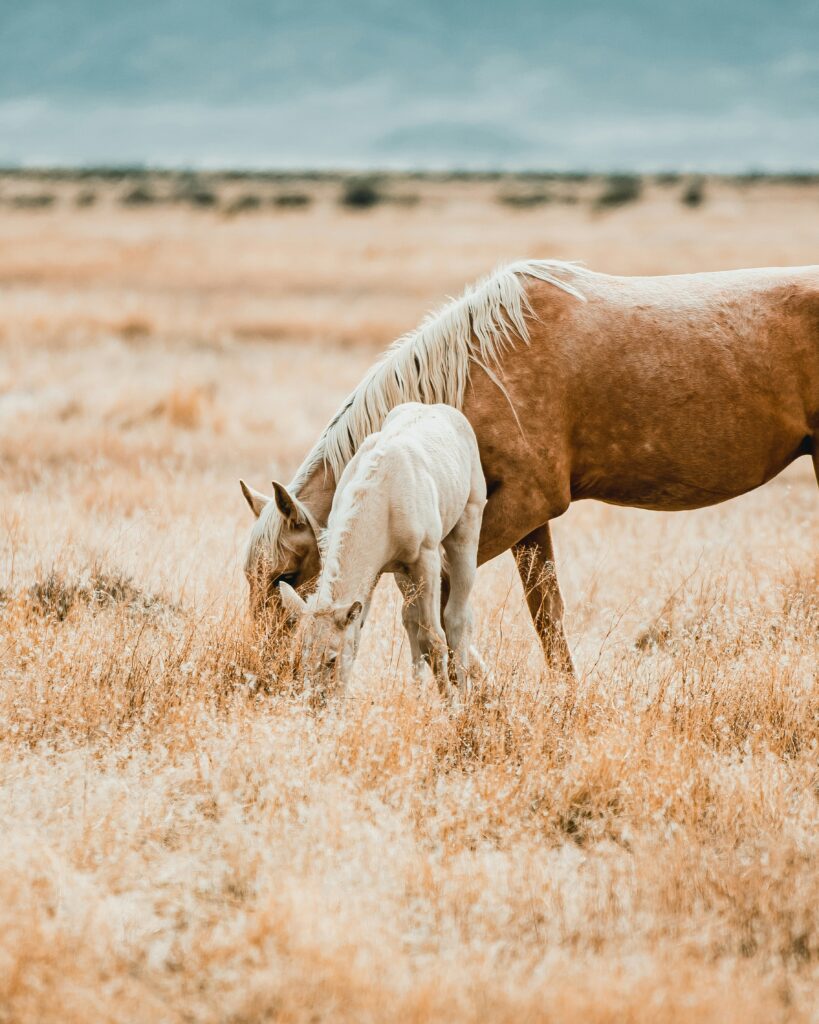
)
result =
(429, 364)
(358, 490)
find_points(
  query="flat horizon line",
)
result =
(117, 170)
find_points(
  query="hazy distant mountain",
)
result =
(597, 84)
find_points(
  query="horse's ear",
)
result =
(287, 505)
(347, 616)
(255, 499)
(294, 605)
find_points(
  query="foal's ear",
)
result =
(347, 616)
(255, 499)
(294, 605)
(288, 506)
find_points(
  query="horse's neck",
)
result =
(316, 492)
(356, 549)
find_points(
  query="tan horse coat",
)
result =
(656, 392)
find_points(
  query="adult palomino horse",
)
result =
(657, 392)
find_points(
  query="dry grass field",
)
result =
(642, 846)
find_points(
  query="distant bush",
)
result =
(694, 193)
(125, 172)
(292, 200)
(135, 328)
(201, 197)
(243, 203)
(85, 198)
(668, 178)
(54, 595)
(524, 200)
(140, 195)
(185, 406)
(620, 189)
(191, 190)
(360, 193)
(34, 201)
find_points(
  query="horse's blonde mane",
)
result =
(429, 364)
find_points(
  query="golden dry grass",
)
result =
(643, 846)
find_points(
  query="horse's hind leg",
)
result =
(461, 547)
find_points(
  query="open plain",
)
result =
(184, 838)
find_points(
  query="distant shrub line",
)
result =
(139, 188)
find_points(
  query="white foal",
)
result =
(411, 491)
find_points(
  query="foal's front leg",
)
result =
(461, 548)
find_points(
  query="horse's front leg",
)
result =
(536, 564)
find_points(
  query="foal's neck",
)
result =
(357, 547)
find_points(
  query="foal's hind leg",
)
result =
(426, 575)
(411, 620)
(461, 547)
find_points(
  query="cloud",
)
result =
(320, 132)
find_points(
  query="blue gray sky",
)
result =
(726, 85)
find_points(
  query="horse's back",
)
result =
(668, 298)
(669, 392)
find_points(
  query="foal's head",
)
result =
(283, 547)
(330, 635)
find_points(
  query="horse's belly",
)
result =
(671, 484)
(661, 497)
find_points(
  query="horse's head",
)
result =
(282, 549)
